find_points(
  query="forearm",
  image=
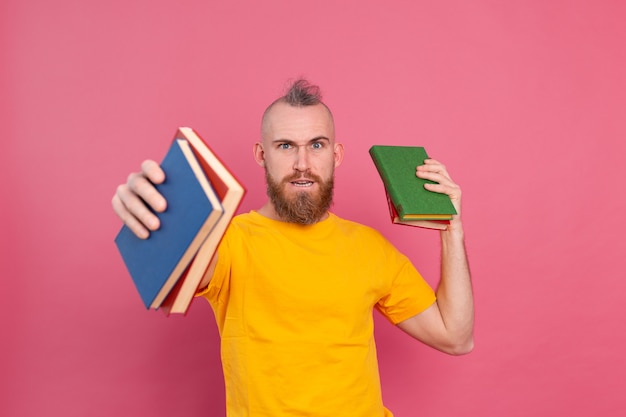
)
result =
(449, 324)
(454, 293)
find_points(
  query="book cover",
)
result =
(412, 202)
(193, 209)
(230, 192)
(429, 224)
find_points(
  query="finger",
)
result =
(432, 161)
(133, 208)
(440, 176)
(152, 171)
(144, 188)
(451, 189)
(434, 170)
(128, 219)
(432, 165)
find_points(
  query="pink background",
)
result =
(524, 101)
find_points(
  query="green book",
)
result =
(409, 202)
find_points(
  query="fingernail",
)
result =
(153, 224)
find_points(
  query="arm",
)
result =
(448, 325)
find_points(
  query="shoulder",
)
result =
(241, 219)
(358, 230)
(238, 225)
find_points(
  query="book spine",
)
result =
(392, 191)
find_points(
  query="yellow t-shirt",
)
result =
(294, 305)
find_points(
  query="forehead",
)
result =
(285, 122)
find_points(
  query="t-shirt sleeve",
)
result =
(218, 286)
(217, 291)
(409, 294)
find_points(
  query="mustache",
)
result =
(302, 175)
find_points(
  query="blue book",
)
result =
(193, 208)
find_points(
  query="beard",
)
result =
(304, 207)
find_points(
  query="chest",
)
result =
(288, 288)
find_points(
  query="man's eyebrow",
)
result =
(315, 139)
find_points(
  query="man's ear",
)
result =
(338, 154)
(259, 154)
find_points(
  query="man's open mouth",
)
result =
(302, 183)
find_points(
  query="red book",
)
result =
(230, 192)
(429, 224)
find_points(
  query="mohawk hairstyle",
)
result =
(302, 93)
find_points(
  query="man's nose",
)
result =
(302, 159)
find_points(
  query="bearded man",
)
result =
(293, 286)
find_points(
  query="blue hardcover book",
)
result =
(193, 208)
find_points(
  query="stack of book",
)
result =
(202, 198)
(408, 201)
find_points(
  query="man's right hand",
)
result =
(131, 200)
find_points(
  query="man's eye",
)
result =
(317, 145)
(284, 146)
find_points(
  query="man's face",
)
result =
(299, 154)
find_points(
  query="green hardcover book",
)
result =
(409, 202)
